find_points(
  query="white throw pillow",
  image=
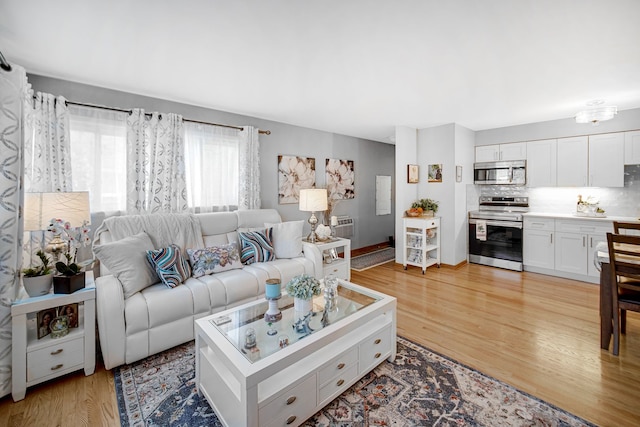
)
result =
(287, 238)
(127, 260)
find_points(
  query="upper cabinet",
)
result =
(572, 161)
(593, 161)
(632, 148)
(492, 153)
(541, 163)
(606, 160)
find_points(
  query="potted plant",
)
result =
(70, 276)
(302, 288)
(37, 280)
(429, 206)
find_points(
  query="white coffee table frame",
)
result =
(292, 384)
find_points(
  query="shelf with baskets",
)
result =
(421, 242)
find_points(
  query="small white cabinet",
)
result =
(542, 163)
(573, 161)
(421, 242)
(38, 360)
(511, 151)
(538, 249)
(575, 245)
(326, 254)
(632, 148)
(606, 160)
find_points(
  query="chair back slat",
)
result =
(627, 228)
(624, 255)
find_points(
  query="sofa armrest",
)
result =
(111, 323)
(312, 252)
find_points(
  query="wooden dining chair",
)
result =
(628, 228)
(624, 259)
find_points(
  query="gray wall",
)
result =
(371, 158)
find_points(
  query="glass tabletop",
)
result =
(256, 338)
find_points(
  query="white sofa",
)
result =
(158, 317)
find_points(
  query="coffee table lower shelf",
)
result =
(288, 387)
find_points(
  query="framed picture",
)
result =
(71, 311)
(44, 319)
(435, 173)
(294, 174)
(458, 173)
(340, 179)
(413, 174)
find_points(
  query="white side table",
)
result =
(37, 360)
(338, 266)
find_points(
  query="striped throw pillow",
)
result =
(170, 265)
(257, 246)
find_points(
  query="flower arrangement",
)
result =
(303, 287)
(74, 237)
(426, 205)
(41, 270)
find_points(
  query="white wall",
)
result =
(464, 156)
(406, 148)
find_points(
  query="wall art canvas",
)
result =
(340, 179)
(435, 173)
(294, 174)
(413, 174)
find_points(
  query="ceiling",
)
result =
(358, 67)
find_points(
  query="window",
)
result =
(98, 156)
(212, 168)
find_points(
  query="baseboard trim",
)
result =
(367, 249)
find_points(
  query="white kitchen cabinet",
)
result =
(632, 148)
(511, 151)
(542, 163)
(575, 245)
(538, 249)
(572, 161)
(606, 160)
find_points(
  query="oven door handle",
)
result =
(506, 224)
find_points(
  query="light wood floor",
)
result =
(535, 332)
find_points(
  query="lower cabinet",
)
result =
(564, 247)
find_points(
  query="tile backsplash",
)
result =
(623, 201)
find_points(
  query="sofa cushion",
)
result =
(214, 259)
(171, 267)
(126, 259)
(287, 238)
(257, 246)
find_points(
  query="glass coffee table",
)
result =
(259, 373)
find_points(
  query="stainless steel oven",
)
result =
(495, 232)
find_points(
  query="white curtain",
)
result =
(212, 156)
(155, 163)
(249, 182)
(48, 152)
(15, 99)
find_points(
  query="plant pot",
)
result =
(428, 214)
(37, 285)
(302, 305)
(68, 284)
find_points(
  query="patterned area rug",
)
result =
(372, 259)
(420, 388)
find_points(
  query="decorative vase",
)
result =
(38, 285)
(68, 284)
(302, 305)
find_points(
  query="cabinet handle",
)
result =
(377, 356)
(378, 341)
(58, 351)
(590, 242)
(584, 243)
(551, 235)
(291, 419)
(340, 382)
(340, 366)
(290, 400)
(58, 366)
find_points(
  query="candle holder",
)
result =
(272, 315)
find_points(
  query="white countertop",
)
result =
(574, 216)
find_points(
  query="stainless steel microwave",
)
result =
(503, 173)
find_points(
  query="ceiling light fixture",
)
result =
(596, 113)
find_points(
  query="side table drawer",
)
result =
(54, 358)
(338, 268)
(338, 384)
(337, 365)
(292, 406)
(375, 348)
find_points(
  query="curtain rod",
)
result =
(4, 64)
(263, 132)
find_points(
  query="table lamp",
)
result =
(40, 208)
(313, 200)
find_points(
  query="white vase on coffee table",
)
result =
(302, 305)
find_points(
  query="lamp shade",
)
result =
(313, 199)
(39, 208)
